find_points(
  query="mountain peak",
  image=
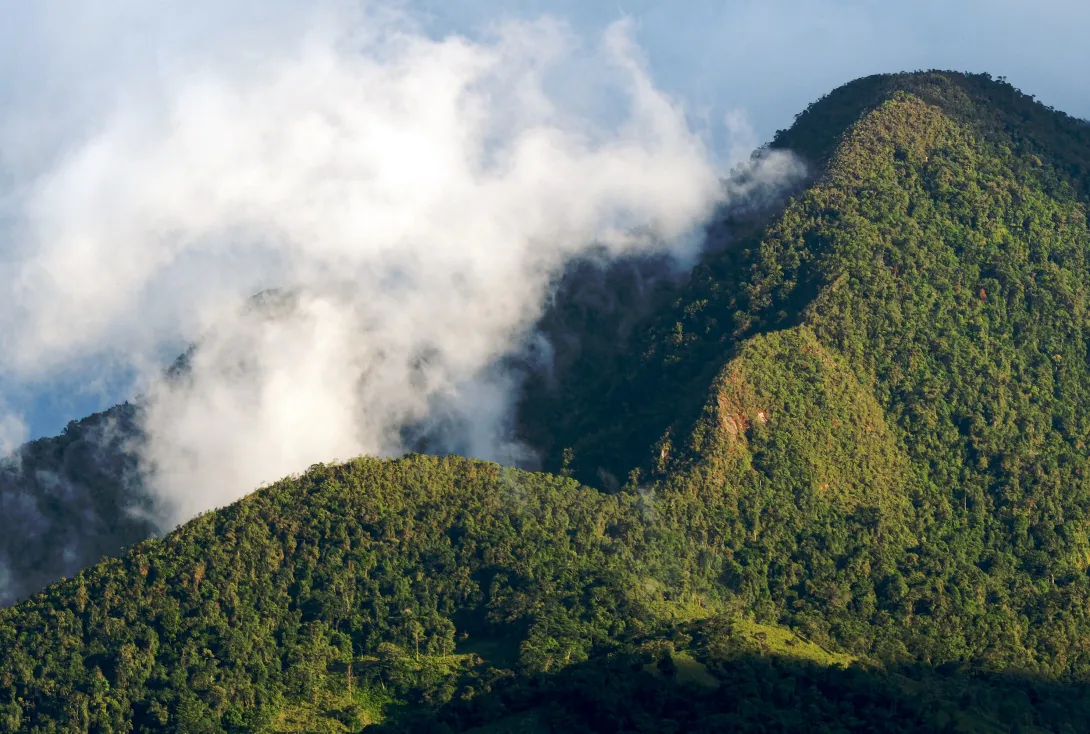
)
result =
(991, 106)
(863, 416)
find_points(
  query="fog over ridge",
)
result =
(412, 197)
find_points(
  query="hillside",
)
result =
(859, 427)
(626, 368)
(68, 501)
(446, 595)
(246, 608)
(942, 263)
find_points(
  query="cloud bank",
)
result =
(410, 197)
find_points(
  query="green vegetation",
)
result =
(846, 472)
(353, 596)
(914, 328)
(365, 576)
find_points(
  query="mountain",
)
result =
(889, 375)
(835, 476)
(605, 397)
(68, 501)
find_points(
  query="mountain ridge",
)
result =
(860, 423)
(720, 280)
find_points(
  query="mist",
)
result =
(409, 199)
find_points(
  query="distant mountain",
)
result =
(842, 480)
(67, 502)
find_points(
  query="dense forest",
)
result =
(430, 594)
(835, 477)
(883, 388)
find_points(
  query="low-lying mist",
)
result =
(402, 203)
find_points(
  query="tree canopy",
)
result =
(836, 476)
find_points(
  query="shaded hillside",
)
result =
(66, 502)
(610, 406)
(730, 675)
(70, 500)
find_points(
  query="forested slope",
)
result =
(410, 570)
(940, 259)
(630, 371)
(446, 595)
(863, 418)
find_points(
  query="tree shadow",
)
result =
(674, 692)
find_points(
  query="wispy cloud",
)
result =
(412, 196)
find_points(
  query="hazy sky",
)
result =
(770, 58)
(765, 59)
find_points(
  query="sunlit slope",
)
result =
(425, 593)
(914, 328)
(355, 594)
(371, 563)
(934, 504)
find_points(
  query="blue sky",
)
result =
(767, 59)
(771, 58)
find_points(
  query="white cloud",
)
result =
(414, 195)
(13, 430)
